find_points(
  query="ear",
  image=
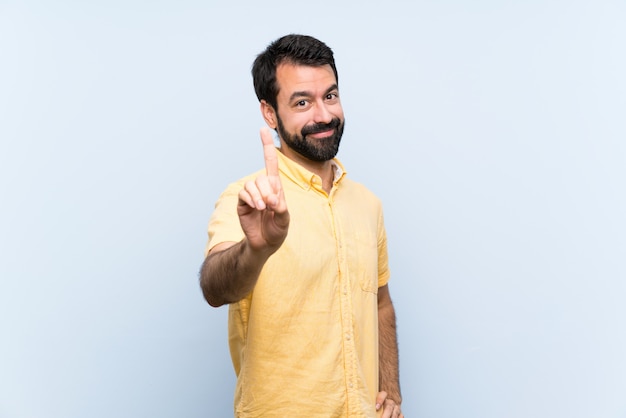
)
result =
(269, 114)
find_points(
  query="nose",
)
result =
(322, 113)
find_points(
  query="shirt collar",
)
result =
(303, 177)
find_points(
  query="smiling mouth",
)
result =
(322, 134)
(321, 130)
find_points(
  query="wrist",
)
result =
(254, 253)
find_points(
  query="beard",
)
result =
(316, 149)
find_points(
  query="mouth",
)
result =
(321, 130)
(322, 134)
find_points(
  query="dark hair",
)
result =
(293, 49)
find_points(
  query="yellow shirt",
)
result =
(304, 343)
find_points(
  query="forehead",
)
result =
(291, 78)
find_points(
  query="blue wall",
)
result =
(494, 134)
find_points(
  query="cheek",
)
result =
(338, 112)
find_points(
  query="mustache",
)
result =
(320, 127)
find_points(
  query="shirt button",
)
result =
(351, 385)
(348, 337)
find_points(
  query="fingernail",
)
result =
(377, 406)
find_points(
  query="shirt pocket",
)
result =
(369, 284)
(366, 261)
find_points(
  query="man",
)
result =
(299, 251)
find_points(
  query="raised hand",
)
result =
(262, 208)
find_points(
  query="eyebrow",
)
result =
(297, 94)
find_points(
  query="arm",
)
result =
(389, 382)
(231, 270)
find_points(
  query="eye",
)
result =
(332, 96)
(301, 103)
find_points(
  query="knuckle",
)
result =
(250, 185)
(260, 181)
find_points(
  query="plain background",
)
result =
(493, 131)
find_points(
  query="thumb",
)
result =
(380, 399)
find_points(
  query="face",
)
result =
(309, 118)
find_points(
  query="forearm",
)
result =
(228, 276)
(388, 352)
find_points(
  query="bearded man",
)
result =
(299, 252)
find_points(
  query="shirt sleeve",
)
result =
(224, 223)
(383, 259)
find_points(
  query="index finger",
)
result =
(269, 152)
